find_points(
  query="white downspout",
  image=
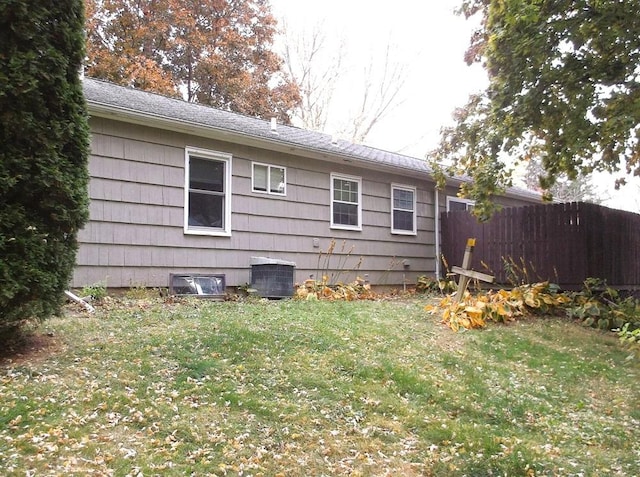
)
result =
(437, 231)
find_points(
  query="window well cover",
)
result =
(197, 284)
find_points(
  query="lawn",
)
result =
(312, 388)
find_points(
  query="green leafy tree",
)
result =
(43, 155)
(564, 86)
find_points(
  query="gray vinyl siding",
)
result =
(135, 235)
(509, 200)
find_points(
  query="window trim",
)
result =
(413, 190)
(268, 191)
(460, 200)
(345, 177)
(206, 154)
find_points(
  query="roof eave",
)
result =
(511, 192)
(143, 118)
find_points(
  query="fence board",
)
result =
(563, 243)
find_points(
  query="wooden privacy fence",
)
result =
(562, 243)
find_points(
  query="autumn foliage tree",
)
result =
(564, 87)
(216, 52)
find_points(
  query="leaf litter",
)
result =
(322, 388)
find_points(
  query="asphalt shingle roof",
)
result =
(171, 110)
(157, 106)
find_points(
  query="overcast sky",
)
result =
(426, 37)
(430, 40)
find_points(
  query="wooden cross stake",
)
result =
(466, 273)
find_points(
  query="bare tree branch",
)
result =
(318, 69)
(374, 107)
(315, 73)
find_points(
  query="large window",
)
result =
(403, 210)
(269, 179)
(346, 202)
(456, 203)
(207, 192)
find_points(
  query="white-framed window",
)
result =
(207, 192)
(346, 202)
(268, 179)
(403, 209)
(456, 203)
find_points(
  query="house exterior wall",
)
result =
(135, 234)
(510, 200)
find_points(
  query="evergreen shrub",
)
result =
(44, 144)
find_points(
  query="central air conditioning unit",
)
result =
(272, 278)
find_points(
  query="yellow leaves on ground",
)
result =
(500, 306)
(359, 289)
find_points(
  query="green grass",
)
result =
(317, 388)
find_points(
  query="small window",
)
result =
(207, 193)
(403, 210)
(346, 202)
(455, 203)
(269, 179)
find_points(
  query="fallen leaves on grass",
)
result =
(298, 388)
(359, 289)
(473, 311)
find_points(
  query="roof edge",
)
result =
(333, 152)
(143, 118)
